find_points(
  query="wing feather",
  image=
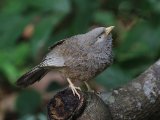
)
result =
(56, 44)
(53, 60)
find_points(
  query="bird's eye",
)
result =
(100, 36)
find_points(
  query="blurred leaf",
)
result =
(104, 17)
(53, 86)
(20, 54)
(113, 77)
(10, 71)
(8, 34)
(28, 117)
(28, 102)
(13, 7)
(12, 60)
(125, 7)
(60, 6)
(19, 6)
(42, 117)
(43, 31)
(140, 40)
(137, 69)
(33, 117)
(84, 15)
(155, 5)
(80, 22)
(113, 5)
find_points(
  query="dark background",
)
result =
(29, 27)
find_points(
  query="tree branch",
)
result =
(137, 100)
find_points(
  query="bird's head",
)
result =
(98, 42)
(99, 37)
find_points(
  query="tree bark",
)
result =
(137, 100)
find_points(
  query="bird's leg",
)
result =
(88, 87)
(73, 88)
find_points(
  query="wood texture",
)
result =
(137, 100)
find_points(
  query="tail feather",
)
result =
(32, 76)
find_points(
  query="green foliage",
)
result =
(33, 117)
(28, 102)
(12, 60)
(105, 18)
(8, 35)
(141, 39)
(42, 32)
(111, 80)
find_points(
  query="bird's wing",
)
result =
(56, 57)
(56, 44)
(53, 60)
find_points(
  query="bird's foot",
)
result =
(74, 88)
(88, 87)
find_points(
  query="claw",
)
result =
(88, 87)
(73, 88)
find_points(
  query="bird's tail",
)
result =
(36, 74)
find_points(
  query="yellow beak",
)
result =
(109, 29)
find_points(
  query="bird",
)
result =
(78, 58)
